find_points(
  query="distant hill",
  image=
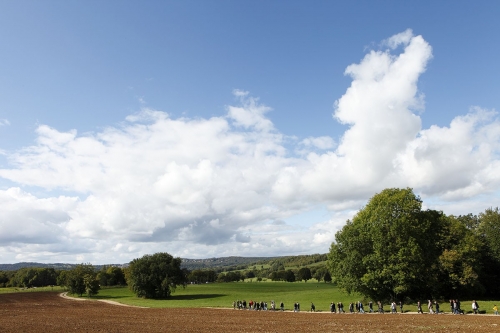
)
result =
(58, 266)
(221, 263)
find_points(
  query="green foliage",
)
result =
(288, 276)
(304, 274)
(460, 260)
(111, 276)
(81, 280)
(155, 276)
(394, 250)
(34, 277)
(296, 261)
(202, 276)
(4, 279)
(230, 277)
(62, 278)
(489, 232)
(489, 229)
(389, 248)
(91, 284)
(327, 277)
(276, 266)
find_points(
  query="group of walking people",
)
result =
(432, 307)
(242, 305)
(358, 307)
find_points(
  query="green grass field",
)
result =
(223, 295)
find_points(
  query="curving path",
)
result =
(65, 295)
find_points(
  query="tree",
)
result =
(155, 276)
(277, 266)
(327, 277)
(4, 279)
(91, 284)
(104, 278)
(111, 276)
(489, 233)
(319, 272)
(34, 277)
(489, 229)
(82, 280)
(388, 250)
(304, 274)
(459, 264)
(289, 275)
(250, 274)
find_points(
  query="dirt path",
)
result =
(65, 295)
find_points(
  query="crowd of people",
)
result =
(358, 307)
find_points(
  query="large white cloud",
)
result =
(227, 185)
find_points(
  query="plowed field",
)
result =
(48, 312)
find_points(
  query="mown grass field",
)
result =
(222, 295)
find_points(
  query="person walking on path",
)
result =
(429, 306)
(380, 307)
(360, 305)
(419, 307)
(475, 307)
(495, 309)
(401, 306)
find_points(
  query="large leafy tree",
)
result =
(81, 280)
(388, 250)
(155, 276)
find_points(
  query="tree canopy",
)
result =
(155, 276)
(304, 274)
(393, 249)
(80, 280)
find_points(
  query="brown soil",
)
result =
(47, 312)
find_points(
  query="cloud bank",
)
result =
(230, 185)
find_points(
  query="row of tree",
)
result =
(392, 249)
(29, 277)
(83, 279)
(152, 276)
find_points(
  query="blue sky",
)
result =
(232, 127)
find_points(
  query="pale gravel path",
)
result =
(65, 295)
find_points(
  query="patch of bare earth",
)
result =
(47, 312)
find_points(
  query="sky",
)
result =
(248, 128)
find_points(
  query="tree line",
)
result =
(152, 276)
